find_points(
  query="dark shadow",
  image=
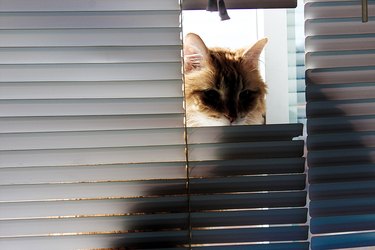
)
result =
(341, 158)
(250, 168)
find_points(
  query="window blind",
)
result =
(247, 187)
(340, 122)
(92, 152)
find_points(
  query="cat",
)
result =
(222, 86)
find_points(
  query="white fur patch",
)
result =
(198, 119)
(202, 120)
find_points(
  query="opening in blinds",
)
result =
(93, 151)
(341, 123)
(241, 4)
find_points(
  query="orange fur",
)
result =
(229, 74)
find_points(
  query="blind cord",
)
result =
(187, 166)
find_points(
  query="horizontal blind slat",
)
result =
(250, 235)
(248, 200)
(166, 239)
(92, 156)
(339, 26)
(341, 59)
(90, 72)
(335, 207)
(340, 75)
(246, 150)
(346, 156)
(91, 173)
(82, 139)
(269, 246)
(89, 37)
(91, 107)
(340, 9)
(87, 20)
(345, 91)
(60, 208)
(345, 140)
(48, 226)
(342, 223)
(340, 43)
(93, 55)
(251, 217)
(341, 173)
(248, 184)
(342, 189)
(88, 123)
(246, 167)
(332, 124)
(254, 133)
(89, 90)
(331, 108)
(91, 190)
(353, 240)
(83, 5)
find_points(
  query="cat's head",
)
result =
(223, 87)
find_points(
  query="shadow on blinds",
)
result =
(247, 189)
(341, 158)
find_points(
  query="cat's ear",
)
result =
(251, 55)
(195, 52)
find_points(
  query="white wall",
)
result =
(276, 70)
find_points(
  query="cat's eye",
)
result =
(210, 93)
(211, 97)
(247, 95)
